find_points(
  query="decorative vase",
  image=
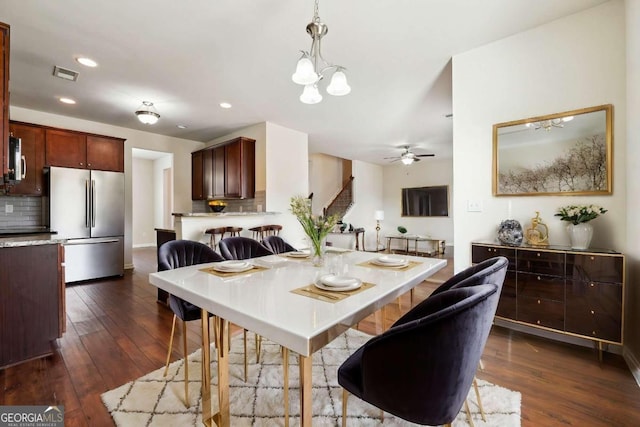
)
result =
(510, 232)
(317, 251)
(580, 235)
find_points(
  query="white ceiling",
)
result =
(187, 56)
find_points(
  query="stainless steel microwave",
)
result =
(15, 167)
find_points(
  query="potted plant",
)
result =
(316, 227)
(580, 231)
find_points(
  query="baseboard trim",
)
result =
(128, 266)
(632, 363)
(144, 245)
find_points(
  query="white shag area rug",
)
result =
(154, 400)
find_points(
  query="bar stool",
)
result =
(213, 232)
(233, 231)
(262, 231)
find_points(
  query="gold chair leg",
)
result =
(345, 396)
(173, 329)
(186, 363)
(468, 411)
(285, 372)
(475, 387)
(258, 339)
(244, 336)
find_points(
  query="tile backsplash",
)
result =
(27, 211)
(234, 205)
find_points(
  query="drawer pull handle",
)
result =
(594, 333)
(538, 322)
(538, 301)
(592, 284)
(593, 312)
(592, 258)
(538, 254)
(538, 277)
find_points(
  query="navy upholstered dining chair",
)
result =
(175, 254)
(428, 358)
(277, 244)
(238, 248)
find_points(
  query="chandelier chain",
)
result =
(316, 18)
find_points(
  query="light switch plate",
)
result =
(8, 208)
(474, 206)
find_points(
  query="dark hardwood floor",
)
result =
(116, 332)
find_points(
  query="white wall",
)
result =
(159, 165)
(570, 63)
(427, 172)
(181, 149)
(632, 296)
(325, 179)
(368, 198)
(142, 202)
(287, 175)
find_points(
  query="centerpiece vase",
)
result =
(580, 235)
(317, 248)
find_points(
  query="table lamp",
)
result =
(379, 216)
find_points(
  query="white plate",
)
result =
(297, 254)
(335, 281)
(387, 261)
(319, 285)
(232, 266)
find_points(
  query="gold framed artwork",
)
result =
(568, 153)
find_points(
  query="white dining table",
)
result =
(262, 301)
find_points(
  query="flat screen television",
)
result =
(425, 201)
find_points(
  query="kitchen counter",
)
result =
(222, 214)
(30, 240)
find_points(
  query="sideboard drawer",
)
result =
(541, 312)
(480, 253)
(595, 268)
(541, 286)
(541, 262)
(507, 303)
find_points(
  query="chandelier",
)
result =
(147, 113)
(312, 66)
(548, 124)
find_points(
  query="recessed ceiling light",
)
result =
(66, 100)
(87, 62)
(181, 126)
(225, 105)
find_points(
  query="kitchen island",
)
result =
(32, 296)
(191, 226)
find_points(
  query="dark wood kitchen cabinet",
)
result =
(224, 171)
(4, 97)
(32, 139)
(577, 293)
(80, 150)
(31, 301)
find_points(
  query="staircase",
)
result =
(342, 201)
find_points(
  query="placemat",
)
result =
(406, 267)
(210, 270)
(312, 292)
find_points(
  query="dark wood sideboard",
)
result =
(578, 293)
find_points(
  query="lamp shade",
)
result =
(338, 85)
(147, 114)
(305, 74)
(310, 95)
(379, 215)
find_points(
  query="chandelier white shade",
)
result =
(548, 124)
(312, 67)
(147, 113)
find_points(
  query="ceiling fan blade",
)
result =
(425, 155)
(416, 159)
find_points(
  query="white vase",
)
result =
(580, 235)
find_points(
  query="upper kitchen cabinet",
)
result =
(224, 171)
(105, 153)
(4, 96)
(79, 150)
(32, 139)
(239, 170)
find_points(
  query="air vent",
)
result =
(65, 74)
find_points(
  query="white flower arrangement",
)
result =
(577, 214)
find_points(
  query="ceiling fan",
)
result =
(407, 157)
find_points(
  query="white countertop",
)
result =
(221, 214)
(262, 302)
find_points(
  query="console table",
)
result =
(438, 245)
(578, 293)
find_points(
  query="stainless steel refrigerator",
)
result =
(87, 208)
